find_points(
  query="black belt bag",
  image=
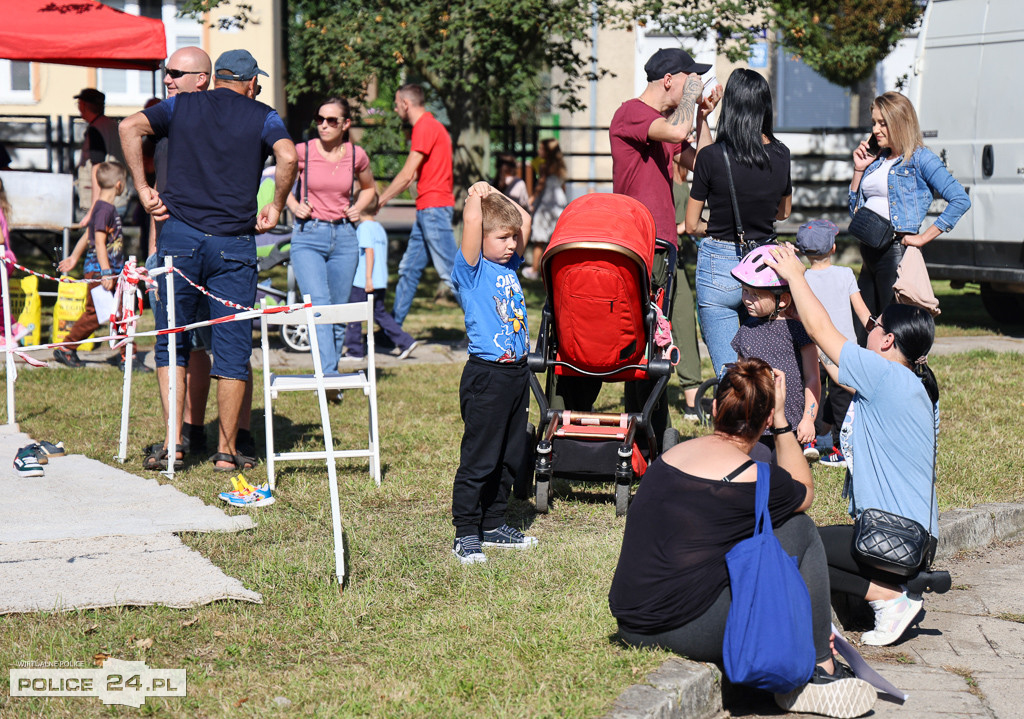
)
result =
(890, 543)
(872, 229)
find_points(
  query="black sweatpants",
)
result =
(701, 639)
(494, 401)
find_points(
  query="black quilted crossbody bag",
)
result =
(891, 543)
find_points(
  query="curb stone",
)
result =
(683, 689)
(678, 688)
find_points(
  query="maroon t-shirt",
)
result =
(642, 168)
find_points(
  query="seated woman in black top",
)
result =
(671, 586)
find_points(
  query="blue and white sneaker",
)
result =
(26, 464)
(468, 550)
(508, 537)
(833, 458)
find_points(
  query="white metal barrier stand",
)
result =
(172, 374)
(127, 298)
(12, 373)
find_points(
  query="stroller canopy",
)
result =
(605, 218)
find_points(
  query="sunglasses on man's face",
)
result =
(331, 121)
(178, 74)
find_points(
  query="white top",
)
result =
(876, 187)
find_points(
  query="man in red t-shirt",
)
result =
(431, 159)
(647, 135)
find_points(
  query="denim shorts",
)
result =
(226, 267)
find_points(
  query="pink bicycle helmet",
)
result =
(753, 271)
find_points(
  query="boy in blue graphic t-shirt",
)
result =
(494, 391)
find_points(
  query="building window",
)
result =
(16, 82)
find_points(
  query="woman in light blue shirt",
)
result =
(897, 180)
(889, 437)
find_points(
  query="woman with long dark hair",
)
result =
(896, 176)
(671, 586)
(325, 250)
(888, 438)
(759, 165)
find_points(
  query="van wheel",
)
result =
(1003, 307)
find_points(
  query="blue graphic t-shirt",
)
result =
(495, 308)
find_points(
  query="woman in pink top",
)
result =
(335, 184)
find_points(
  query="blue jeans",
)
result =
(226, 266)
(433, 232)
(324, 257)
(719, 298)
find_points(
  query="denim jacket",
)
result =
(912, 184)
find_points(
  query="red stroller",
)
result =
(598, 325)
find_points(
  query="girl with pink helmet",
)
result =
(770, 334)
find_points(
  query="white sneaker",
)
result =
(892, 617)
(404, 354)
(530, 273)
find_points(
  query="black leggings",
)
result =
(845, 574)
(878, 274)
(701, 639)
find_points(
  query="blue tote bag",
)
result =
(769, 642)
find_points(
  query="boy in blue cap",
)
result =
(836, 289)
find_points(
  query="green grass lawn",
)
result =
(414, 634)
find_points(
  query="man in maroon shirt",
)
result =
(648, 134)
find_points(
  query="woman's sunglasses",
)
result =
(331, 121)
(872, 323)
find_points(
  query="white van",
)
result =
(968, 89)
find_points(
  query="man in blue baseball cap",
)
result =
(218, 142)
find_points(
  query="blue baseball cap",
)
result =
(816, 237)
(237, 65)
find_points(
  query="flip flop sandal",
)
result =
(156, 458)
(238, 462)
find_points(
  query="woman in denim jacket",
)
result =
(910, 175)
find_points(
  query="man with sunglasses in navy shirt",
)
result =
(218, 143)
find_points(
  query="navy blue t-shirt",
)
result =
(218, 142)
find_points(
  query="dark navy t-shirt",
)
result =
(218, 142)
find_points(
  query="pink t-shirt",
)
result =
(642, 168)
(330, 183)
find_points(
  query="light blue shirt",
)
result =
(495, 308)
(888, 438)
(372, 236)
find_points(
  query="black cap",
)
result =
(669, 61)
(92, 96)
(237, 65)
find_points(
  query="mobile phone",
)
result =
(709, 85)
(873, 148)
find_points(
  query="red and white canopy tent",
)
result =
(80, 32)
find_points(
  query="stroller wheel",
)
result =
(621, 499)
(296, 337)
(542, 496)
(670, 440)
(702, 404)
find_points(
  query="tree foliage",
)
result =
(843, 40)
(732, 24)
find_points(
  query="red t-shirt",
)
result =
(434, 188)
(330, 183)
(642, 168)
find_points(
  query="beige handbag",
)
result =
(913, 286)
